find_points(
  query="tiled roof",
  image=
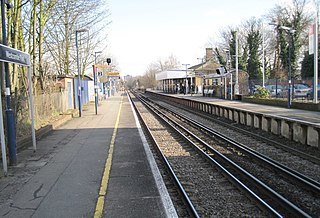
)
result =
(206, 66)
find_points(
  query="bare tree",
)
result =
(69, 16)
(148, 79)
(276, 42)
(296, 16)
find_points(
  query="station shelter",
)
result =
(193, 80)
(175, 81)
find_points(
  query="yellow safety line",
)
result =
(107, 168)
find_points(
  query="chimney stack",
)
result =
(209, 54)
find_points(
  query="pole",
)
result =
(186, 77)
(221, 88)
(3, 141)
(225, 77)
(225, 87)
(33, 132)
(230, 75)
(185, 89)
(11, 133)
(263, 67)
(94, 87)
(231, 90)
(79, 80)
(95, 82)
(236, 87)
(315, 59)
(289, 76)
(202, 76)
(191, 85)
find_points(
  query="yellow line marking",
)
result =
(107, 168)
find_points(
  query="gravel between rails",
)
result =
(295, 162)
(211, 193)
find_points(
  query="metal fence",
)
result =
(280, 88)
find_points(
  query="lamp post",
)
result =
(225, 78)
(236, 86)
(221, 83)
(290, 33)
(263, 67)
(78, 66)
(315, 55)
(185, 92)
(95, 81)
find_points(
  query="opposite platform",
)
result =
(298, 125)
(303, 115)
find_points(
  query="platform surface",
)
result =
(63, 177)
(298, 114)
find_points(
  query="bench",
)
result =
(205, 92)
(208, 92)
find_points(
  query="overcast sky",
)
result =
(144, 31)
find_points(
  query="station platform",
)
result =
(302, 126)
(298, 114)
(92, 166)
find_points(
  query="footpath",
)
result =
(63, 178)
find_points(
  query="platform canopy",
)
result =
(174, 74)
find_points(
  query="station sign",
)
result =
(102, 66)
(115, 74)
(311, 39)
(12, 55)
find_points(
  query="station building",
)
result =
(205, 78)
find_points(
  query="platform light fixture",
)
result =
(95, 81)
(290, 31)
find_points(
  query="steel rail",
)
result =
(307, 182)
(309, 157)
(191, 209)
(294, 210)
(228, 174)
(302, 179)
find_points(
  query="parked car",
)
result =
(301, 90)
(310, 94)
(253, 89)
(275, 90)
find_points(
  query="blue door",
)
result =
(75, 93)
(69, 95)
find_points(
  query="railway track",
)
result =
(290, 187)
(211, 188)
(274, 148)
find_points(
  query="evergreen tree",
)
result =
(219, 57)
(254, 39)
(232, 46)
(307, 66)
(243, 59)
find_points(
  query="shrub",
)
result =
(262, 93)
